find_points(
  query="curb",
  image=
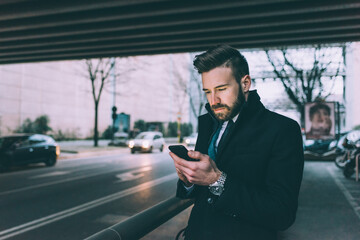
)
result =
(75, 154)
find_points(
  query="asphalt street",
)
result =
(80, 197)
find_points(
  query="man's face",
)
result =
(222, 92)
(321, 122)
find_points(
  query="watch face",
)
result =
(216, 190)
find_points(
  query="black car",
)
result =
(320, 149)
(23, 149)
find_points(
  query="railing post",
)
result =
(357, 166)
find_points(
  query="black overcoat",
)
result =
(263, 159)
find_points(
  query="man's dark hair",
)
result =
(222, 56)
(316, 107)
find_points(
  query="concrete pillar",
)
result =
(352, 86)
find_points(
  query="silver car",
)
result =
(190, 141)
(147, 142)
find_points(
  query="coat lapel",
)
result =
(224, 142)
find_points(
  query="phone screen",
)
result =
(181, 151)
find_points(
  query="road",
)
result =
(79, 197)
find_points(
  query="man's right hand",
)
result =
(203, 172)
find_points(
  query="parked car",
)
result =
(23, 149)
(120, 139)
(320, 149)
(190, 141)
(147, 142)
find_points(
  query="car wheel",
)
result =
(162, 148)
(132, 151)
(51, 161)
(151, 149)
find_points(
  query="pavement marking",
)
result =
(60, 181)
(83, 207)
(51, 174)
(347, 194)
(136, 174)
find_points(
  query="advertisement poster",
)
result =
(320, 120)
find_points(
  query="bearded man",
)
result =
(250, 160)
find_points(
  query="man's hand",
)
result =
(203, 172)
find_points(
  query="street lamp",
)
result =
(114, 115)
(179, 126)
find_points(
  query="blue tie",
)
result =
(211, 149)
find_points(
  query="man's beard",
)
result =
(230, 111)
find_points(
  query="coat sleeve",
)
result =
(182, 193)
(275, 204)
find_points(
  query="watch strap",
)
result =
(220, 181)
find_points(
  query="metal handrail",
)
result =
(144, 222)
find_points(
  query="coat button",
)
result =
(210, 200)
(234, 215)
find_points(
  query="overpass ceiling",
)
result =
(32, 31)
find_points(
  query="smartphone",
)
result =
(181, 151)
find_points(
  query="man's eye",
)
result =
(222, 89)
(207, 93)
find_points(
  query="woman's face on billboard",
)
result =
(321, 122)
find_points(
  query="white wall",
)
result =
(352, 88)
(60, 90)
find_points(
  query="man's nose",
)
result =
(214, 99)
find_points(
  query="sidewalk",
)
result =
(85, 148)
(328, 205)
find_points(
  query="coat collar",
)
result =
(250, 107)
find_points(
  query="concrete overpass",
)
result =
(32, 31)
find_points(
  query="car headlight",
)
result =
(131, 144)
(145, 144)
(57, 150)
(187, 141)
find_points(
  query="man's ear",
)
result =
(246, 83)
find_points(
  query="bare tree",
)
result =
(99, 71)
(124, 66)
(193, 89)
(104, 71)
(195, 92)
(307, 74)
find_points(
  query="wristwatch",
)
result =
(217, 187)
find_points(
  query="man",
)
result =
(321, 123)
(247, 179)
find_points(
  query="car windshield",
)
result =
(144, 136)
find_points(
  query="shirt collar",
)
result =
(235, 118)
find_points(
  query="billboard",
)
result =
(320, 120)
(122, 122)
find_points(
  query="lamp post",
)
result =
(113, 115)
(178, 126)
